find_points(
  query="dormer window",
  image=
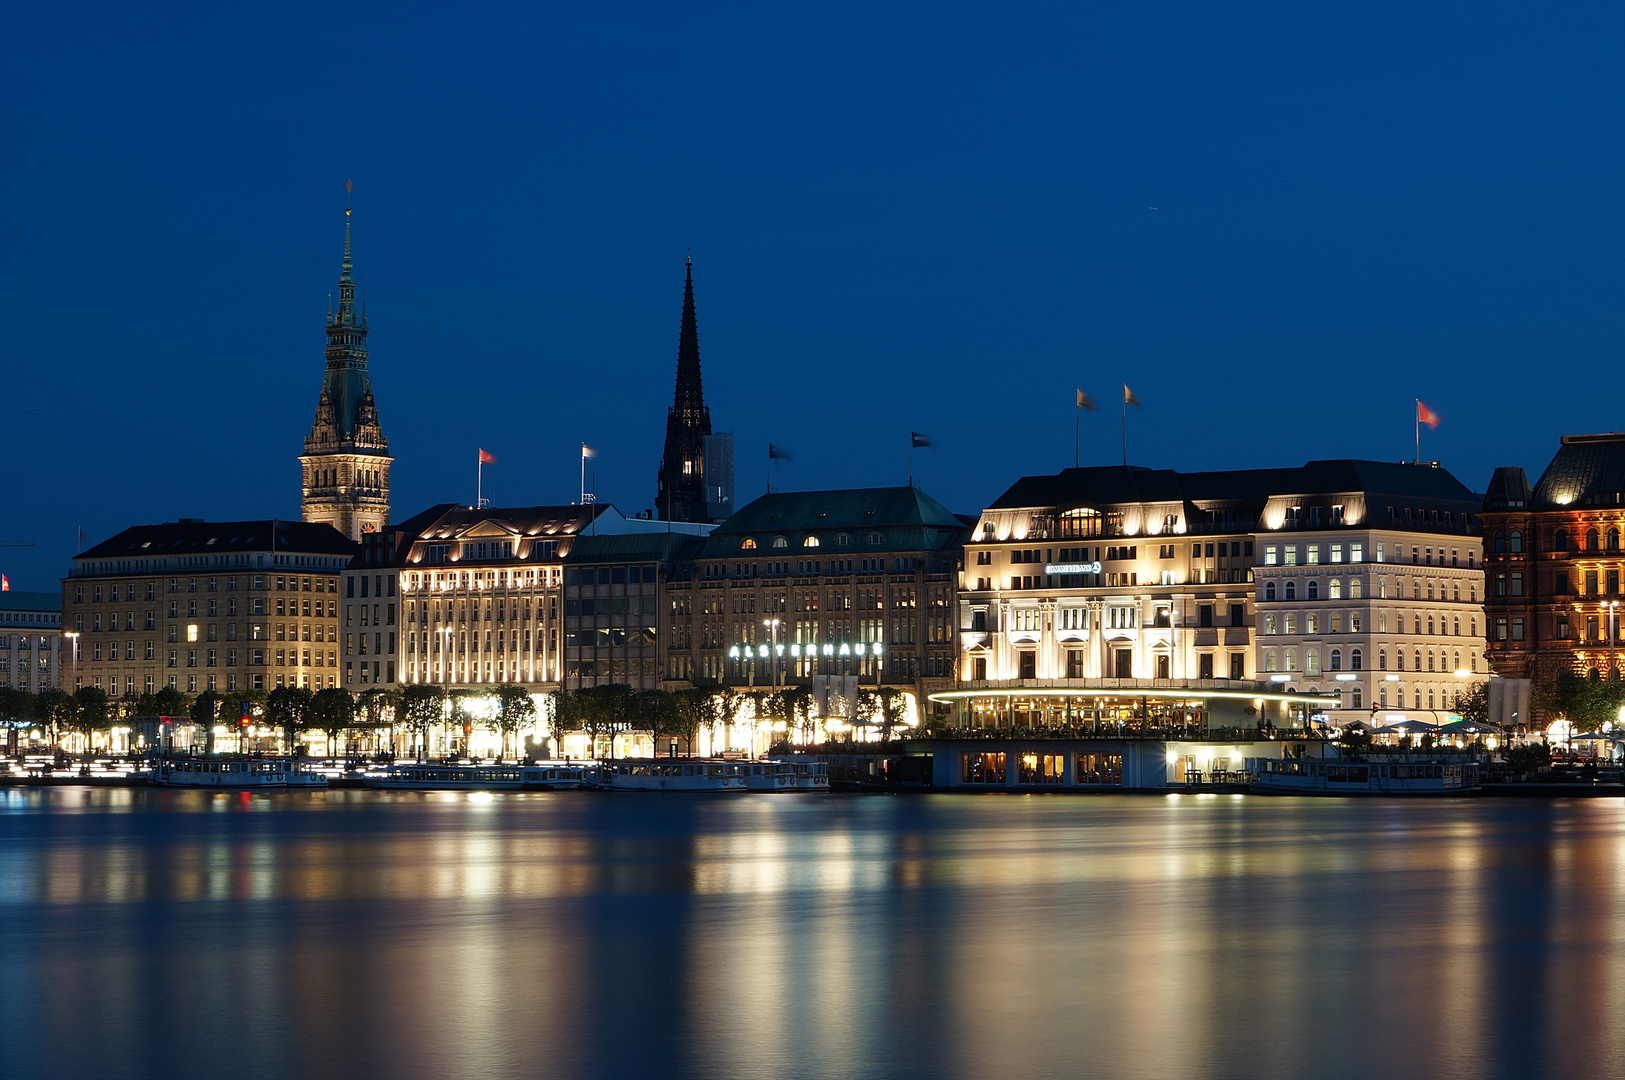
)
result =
(780, 542)
(843, 540)
(810, 542)
(874, 539)
(748, 544)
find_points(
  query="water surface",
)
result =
(191, 934)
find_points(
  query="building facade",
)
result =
(31, 641)
(619, 608)
(345, 466)
(1553, 561)
(1370, 587)
(805, 586)
(468, 598)
(195, 605)
(1107, 584)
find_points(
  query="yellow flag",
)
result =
(1129, 398)
(1085, 401)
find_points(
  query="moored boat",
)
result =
(1334, 776)
(555, 776)
(233, 773)
(805, 775)
(410, 776)
(665, 774)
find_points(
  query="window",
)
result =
(1334, 590)
(1314, 590)
(1269, 590)
(1291, 590)
(1354, 588)
(874, 539)
(810, 542)
(1335, 660)
(1314, 555)
(1269, 554)
(1356, 660)
(747, 544)
(1291, 554)
(1269, 659)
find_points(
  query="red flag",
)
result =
(488, 458)
(5, 583)
(1425, 415)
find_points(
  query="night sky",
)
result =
(1278, 223)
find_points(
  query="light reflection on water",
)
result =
(346, 933)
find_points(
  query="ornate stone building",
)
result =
(346, 460)
(1553, 562)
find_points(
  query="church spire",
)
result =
(681, 489)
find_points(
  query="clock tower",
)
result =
(346, 461)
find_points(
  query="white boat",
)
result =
(430, 777)
(234, 773)
(767, 775)
(1333, 776)
(556, 776)
(666, 774)
(804, 775)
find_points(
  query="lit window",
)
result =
(810, 542)
(747, 544)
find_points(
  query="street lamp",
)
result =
(773, 630)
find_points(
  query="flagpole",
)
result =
(1418, 460)
(583, 501)
(1077, 434)
(479, 482)
(1125, 425)
(911, 459)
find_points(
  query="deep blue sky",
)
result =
(934, 217)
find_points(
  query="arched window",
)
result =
(1560, 542)
(780, 542)
(1457, 665)
(988, 530)
(1314, 590)
(1418, 658)
(1291, 659)
(811, 541)
(1500, 541)
(1517, 540)
(1455, 630)
(1591, 539)
(1269, 590)
(1354, 588)
(1336, 659)
(1334, 591)
(874, 539)
(1269, 659)
(843, 540)
(1613, 539)
(1291, 590)
(1430, 625)
(1354, 698)
(747, 544)
(1382, 659)
(1430, 660)
(1356, 660)
(1311, 661)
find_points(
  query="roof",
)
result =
(30, 601)
(1509, 489)
(906, 518)
(1589, 470)
(195, 536)
(454, 521)
(1102, 485)
(634, 547)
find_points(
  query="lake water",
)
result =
(159, 934)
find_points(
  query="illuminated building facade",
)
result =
(618, 606)
(801, 587)
(1370, 586)
(461, 597)
(30, 640)
(1553, 561)
(1122, 594)
(345, 466)
(216, 605)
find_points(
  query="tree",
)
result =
(422, 707)
(1585, 701)
(331, 711)
(714, 706)
(55, 709)
(867, 709)
(236, 705)
(689, 706)
(656, 712)
(893, 708)
(203, 712)
(1474, 706)
(16, 705)
(91, 712)
(168, 701)
(799, 711)
(380, 707)
(565, 719)
(515, 709)
(604, 711)
(288, 708)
